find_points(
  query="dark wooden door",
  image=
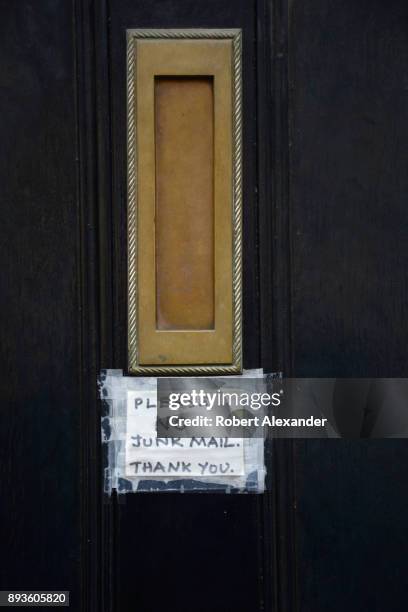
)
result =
(325, 294)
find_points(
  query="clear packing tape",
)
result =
(134, 460)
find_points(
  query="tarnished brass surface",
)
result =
(184, 201)
(184, 129)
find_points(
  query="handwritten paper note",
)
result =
(148, 456)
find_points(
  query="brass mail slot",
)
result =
(184, 202)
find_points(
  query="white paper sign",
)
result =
(148, 456)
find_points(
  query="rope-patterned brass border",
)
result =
(185, 370)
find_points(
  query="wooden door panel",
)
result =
(349, 126)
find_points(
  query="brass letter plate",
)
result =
(184, 202)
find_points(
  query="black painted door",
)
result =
(325, 294)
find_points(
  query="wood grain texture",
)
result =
(184, 130)
(39, 286)
(349, 217)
